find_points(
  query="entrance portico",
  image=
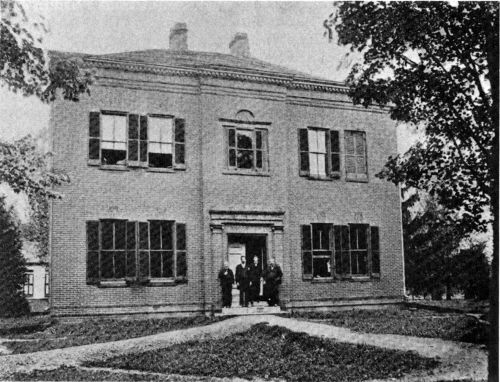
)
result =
(243, 233)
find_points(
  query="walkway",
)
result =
(458, 360)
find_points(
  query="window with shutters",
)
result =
(355, 155)
(319, 153)
(120, 139)
(246, 149)
(341, 251)
(29, 279)
(135, 251)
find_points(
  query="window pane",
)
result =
(321, 165)
(321, 236)
(107, 234)
(168, 263)
(245, 158)
(120, 265)
(144, 264)
(130, 235)
(321, 146)
(155, 235)
(337, 238)
(181, 236)
(231, 138)
(111, 157)
(244, 138)
(321, 266)
(143, 235)
(363, 262)
(312, 137)
(107, 264)
(156, 264)
(166, 130)
(107, 127)
(154, 128)
(167, 235)
(338, 262)
(160, 160)
(131, 264)
(181, 264)
(313, 164)
(120, 128)
(160, 148)
(346, 263)
(120, 238)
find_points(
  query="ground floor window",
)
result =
(136, 251)
(29, 279)
(330, 251)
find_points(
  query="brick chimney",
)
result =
(239, 45)
(178, 37)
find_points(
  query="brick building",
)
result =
(180, 160)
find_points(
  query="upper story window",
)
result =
(124, 139)
(355, 155)
(247, 148)
(319, 153)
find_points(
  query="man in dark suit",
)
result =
(272, 279)
(242, 281)
(255, 274)
(226, 279)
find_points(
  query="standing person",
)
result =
(255, 275)
(226, 279)
(272, 279)
(242, 281)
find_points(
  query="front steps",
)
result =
(260, 307)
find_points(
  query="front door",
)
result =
(236, 250)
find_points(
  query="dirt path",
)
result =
(458, 360)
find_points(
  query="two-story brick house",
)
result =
(180, 160)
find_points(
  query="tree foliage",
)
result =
(434, 65)
(24, 65)
(472, 272)
(12, 266)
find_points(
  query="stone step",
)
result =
(260, 308)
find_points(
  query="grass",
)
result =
(274, 352)
(419, 323)
(51, 334)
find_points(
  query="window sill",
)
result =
(355, 180)
(159, 169)
(243, 172)
(120, 167)
(359, 279)
(135, 283)
(112, 284)
(323, 280)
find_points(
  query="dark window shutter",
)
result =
(143, 251)
(306, 251)
(231, 147)
(92, 252)
(143, 140)
(181, 254)
(94, 136)
(375, 249)
(133, 139)
(334, 154)
(131, 258)
(345, 252)
(337, 247)
(180, 142)
(303, 153)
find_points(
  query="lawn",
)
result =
(419, 323)
(274, 352)
(46, 333)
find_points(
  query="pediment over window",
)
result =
(244, 115)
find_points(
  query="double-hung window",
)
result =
(319, 153)
(125, 139)
(29, 280)
(340, 250)
(247, 148)
(355, 155)
(135, 251)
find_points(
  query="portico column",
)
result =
(214, 263)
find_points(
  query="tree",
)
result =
(430, 245)
(435, 65)
(12, 266)
(472, 272)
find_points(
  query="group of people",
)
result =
(248, 279)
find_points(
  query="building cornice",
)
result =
(235, 74)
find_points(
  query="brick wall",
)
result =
(188, 196)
